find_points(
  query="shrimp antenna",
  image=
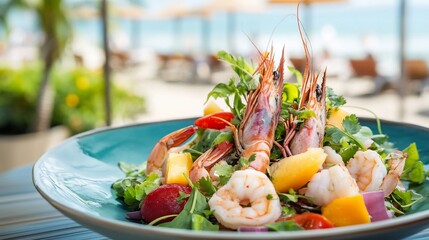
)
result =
(275, 29)
(308, 59)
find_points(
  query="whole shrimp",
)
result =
(313, 97)
(162, 148)
(256, 131)
(329, 184)
(248, 199)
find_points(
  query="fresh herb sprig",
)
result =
(135, 186)
(195, 213)
(235, 92)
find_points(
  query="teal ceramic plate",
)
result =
(75, 177)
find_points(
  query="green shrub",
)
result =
(78, 101)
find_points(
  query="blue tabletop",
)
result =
(24, 214)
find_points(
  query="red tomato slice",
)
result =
(216, 121)
(310, 221)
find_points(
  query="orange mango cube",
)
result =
(296, 171)
(178, 165)
(347, 211)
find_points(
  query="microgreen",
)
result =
(135, 186)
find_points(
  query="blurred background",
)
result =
(69, 66)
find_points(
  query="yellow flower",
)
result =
(72, 100)
(82, 83)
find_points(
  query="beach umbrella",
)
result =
(231, 7)
(307, 5)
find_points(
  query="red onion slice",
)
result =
(252, 229)
(135, 215)
(374, 202)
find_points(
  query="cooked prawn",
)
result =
(313, 97)
(396, 162)
(201, 167)
(256, 131)
(367, 168)
(248, 199)
(161, 149)
(333, 158)
(330, 184)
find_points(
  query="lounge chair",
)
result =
(367, 67)
(417, 70)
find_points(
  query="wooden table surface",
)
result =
(24, 214)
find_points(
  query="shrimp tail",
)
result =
(201, 167)
(397, 164)
(161, 149)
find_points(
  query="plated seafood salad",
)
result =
(281, 156)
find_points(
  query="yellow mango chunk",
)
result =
(296, 171)
(177, 165)
(347, 211)
(211, 107)
(336, 118)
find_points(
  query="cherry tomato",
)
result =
(310, 221)
(216, 121)
(163, 201)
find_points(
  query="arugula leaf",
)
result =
(204, 141)
(196, 204)
(223, 136)
(405, 199)
(414, 169)
(412, 156)
(238, 64)
(200, 223)
(284, 226)
(182, 196)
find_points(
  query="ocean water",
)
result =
(345, 30)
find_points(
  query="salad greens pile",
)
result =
(346, 141)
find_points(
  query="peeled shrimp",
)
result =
(367, 168)
(330, 184)
(248, 199)
(333, 158)
(396, 163)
